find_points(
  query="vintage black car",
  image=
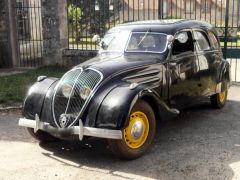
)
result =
(144, 72)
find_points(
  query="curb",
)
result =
(10, 108)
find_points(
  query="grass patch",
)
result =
(13, 88)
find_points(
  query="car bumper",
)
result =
(79, 130)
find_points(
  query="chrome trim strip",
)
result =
(155, 79)
(145, 73)
(74, 130)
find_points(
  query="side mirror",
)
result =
(182, 37)
(96, 38)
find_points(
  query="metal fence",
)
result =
(86, 18)
(89, 17)
(29, 32)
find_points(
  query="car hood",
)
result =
(111, 64)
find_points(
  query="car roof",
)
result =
(164, 26)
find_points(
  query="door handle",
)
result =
(172, 64)
(215, 56)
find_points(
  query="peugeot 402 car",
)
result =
(144, 72)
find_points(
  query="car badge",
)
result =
(64, 119)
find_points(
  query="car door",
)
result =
(209, 58)
(184, 72)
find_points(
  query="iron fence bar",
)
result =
(123, 2)
(148, 10)
(144, 18)
(28, 40)
(109, 16)
(40, 25)
(68, 23)
(36, 32)
(154, 10)
(226, 28)
(32, 43)
(138, 10)
(185, 14)
(25, 35)
(90, 25)
(133, 9)
(87, 24)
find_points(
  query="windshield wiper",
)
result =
(143, 37)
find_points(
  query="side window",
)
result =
(202, 43)
(183, 47)
(214, 41)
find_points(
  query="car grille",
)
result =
(67, 110)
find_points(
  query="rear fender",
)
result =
(224, 75)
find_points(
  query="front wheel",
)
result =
(138, 135)
(219, 100)
(41, 135)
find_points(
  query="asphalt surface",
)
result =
(201, 143)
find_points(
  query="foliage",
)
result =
(74, 13)
(13, 88)
(91, 21)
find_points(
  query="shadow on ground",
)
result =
(200, 143)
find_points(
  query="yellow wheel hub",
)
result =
(135, 135)
(222, 96)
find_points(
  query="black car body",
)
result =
(144, 71)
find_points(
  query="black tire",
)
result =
(120, 147)
(41, 135)
(216, 101)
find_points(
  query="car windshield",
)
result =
(114, 41)
(147, 42)
(121, 41)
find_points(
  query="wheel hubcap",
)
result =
(137, 130)
(135, 135)
(222, 96)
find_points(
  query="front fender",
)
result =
(35, 98)
(117, 105)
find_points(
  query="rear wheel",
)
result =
(219, 100)
(41, 135)
(138, 135)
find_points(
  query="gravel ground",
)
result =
(201, 143)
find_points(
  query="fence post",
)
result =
(160, 9)
(226, 29)
(55, 30)
(13, 33)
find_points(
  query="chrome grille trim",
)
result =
(76, 86)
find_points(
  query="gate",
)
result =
(89, 17)
(29, 32)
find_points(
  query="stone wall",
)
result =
(4, 41)
(73, 57)
(55, 31)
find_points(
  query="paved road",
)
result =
(202, 143)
